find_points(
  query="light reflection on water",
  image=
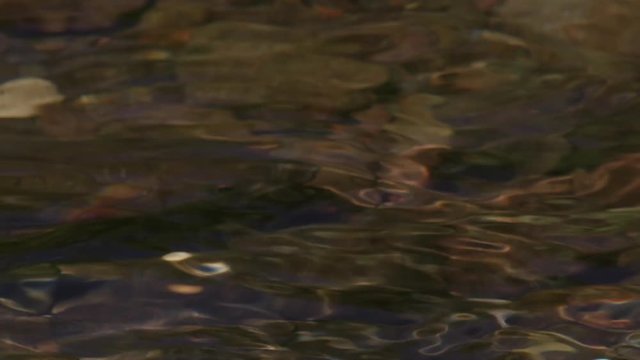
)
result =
(398, 179)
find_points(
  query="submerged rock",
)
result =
(246, 64)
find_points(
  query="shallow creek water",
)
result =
(321, 179)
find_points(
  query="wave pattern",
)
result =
(319, 180)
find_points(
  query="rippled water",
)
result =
(324, 179)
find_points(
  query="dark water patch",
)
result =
(26, 20)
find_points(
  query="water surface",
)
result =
(240, 179)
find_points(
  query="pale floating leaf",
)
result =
(20, 98)
(176, 256)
